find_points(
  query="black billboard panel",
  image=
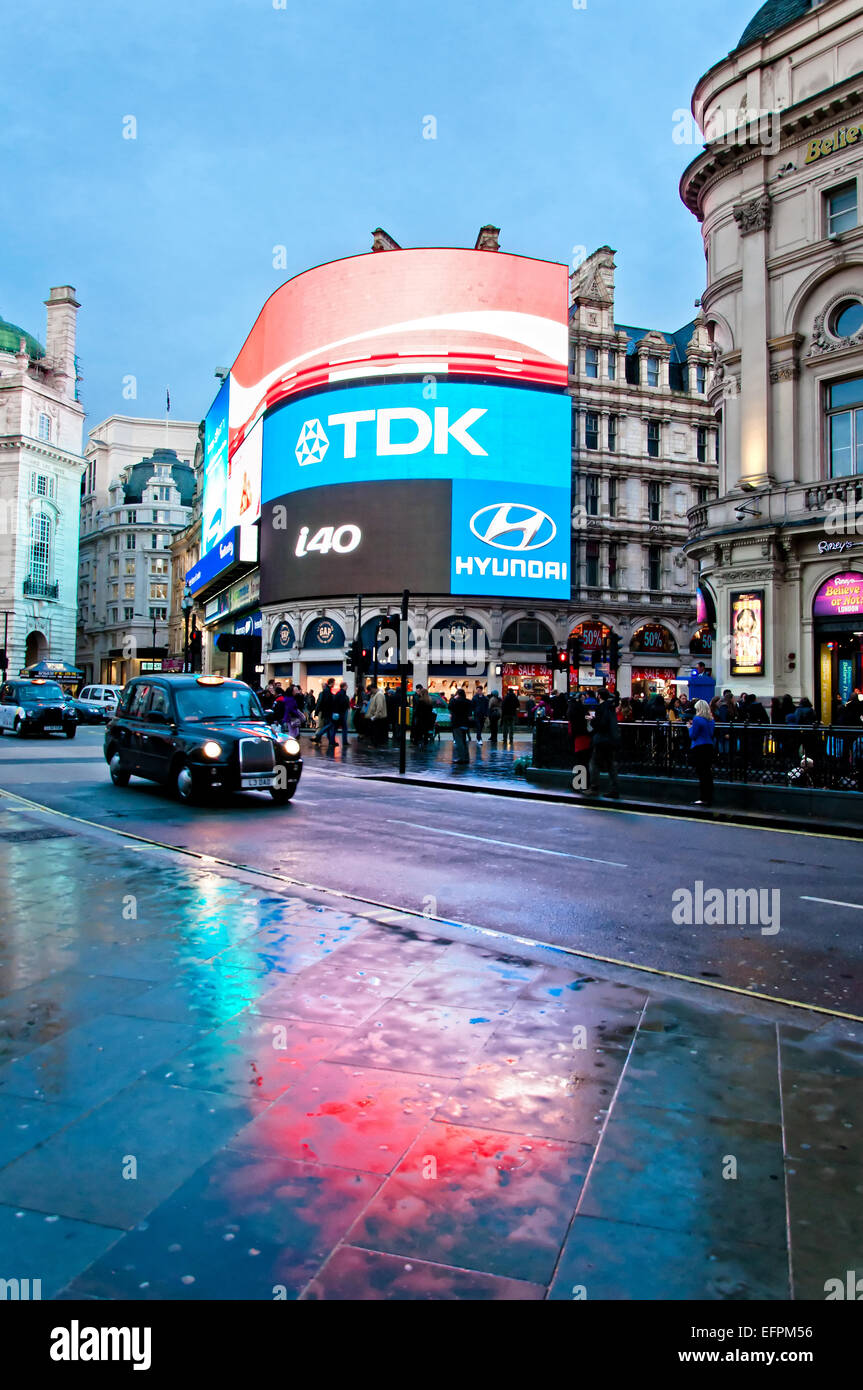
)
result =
(351, 538)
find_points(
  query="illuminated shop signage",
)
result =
(840, 597)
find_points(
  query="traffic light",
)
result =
(613, 649)
(575, 651)
(560, 658)
(349, 657)
(551, 656)
(355, 656)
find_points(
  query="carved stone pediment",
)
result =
(754, 215)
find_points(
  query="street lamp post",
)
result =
(187, 606)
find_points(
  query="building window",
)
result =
(158, 591)
(653, 371)
(154, 541)
(703, 495)
(612, 434)
(654, 501)
(40, 549)
(573, 360)
(591, 362)
(573, 434)
(847, 319)
(158, 565)
(654, 567)
(41, 485)
(591, 430)
(130, 541)
(113, 615)
(128, 614)
(612, 497)
(44, 426)
(129, 590)
(592, 494)
(653, 439)
(129, 565)
(700, 378)
(591, 564)
(845, 425)
(612, 565)
(160, 614)
(612, 366)
(131, 518)
(701, 444)
(841, 207)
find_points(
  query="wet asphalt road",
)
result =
(593, 879)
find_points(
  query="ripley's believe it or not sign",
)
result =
(400, 420)
(840, 597)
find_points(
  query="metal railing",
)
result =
(39, 588)
(827, 757)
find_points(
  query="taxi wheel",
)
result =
(119, 775)
(185, 786)
(282, 795)
(70, 733)
(18, 729)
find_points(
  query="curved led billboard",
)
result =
(400, 420)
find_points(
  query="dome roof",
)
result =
(10, 338)
(140, 475)
(775, 14)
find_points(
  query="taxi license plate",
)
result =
(53, 728)
(256, 781)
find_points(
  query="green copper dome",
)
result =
(10, 338)
(774, 15)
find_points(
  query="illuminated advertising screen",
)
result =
(215, 494)
(840, 597)
(428, 312)
(747, 633)
(244, 479)
(498, 524)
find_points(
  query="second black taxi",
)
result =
(201, 735)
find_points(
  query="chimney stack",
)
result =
(488, 239)
(62, 314)
(382, 241)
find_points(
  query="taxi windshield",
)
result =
(201, 702)
(32, 694)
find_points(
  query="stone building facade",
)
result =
(41, 431)
(136, 493)
(777, 191)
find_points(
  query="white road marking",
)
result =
(833, 902)
(508, 844)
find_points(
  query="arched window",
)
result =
(40, 548)
(528, 633)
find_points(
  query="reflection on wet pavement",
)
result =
(208, 1090)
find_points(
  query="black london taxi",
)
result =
(202, 736)
(35, 707)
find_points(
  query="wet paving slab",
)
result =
(209, 1089)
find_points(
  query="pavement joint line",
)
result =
(508, 844)
(413, 915)
(832, 902)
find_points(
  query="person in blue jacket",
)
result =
(702, 751)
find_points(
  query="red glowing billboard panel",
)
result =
(433, 312)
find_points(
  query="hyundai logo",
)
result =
(523, 527)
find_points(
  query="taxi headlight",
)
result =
(211, 749)
(291, 745)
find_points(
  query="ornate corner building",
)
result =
(41, 430)
(777, 192)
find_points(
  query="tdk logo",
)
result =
(513, 526)
(414, 431)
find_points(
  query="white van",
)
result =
(105, 697)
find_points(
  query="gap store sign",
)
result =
(495, 521)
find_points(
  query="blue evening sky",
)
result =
(299, 123)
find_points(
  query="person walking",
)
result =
(495, 709)
(460, 714)
(479, 709)
(341, 705)
(702, 751)
(324, 711)
(377, 716)
(579, 733)
(291, 715)
(509, 714)
(604, 745)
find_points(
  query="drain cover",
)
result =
(16, 836)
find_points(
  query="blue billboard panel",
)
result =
(510, 539)
(386, 431)
(214, 504)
